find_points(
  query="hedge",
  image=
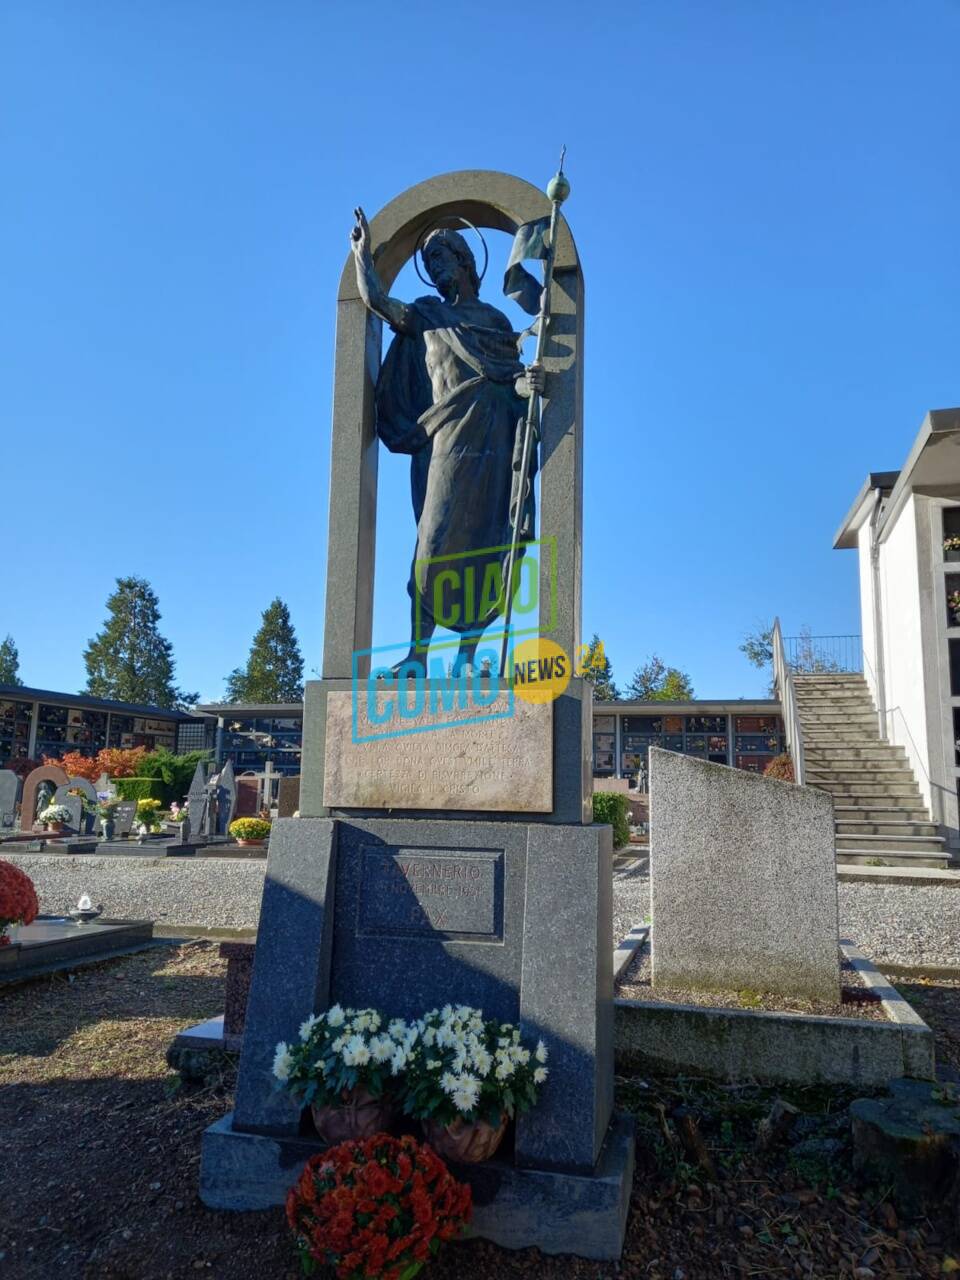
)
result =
(140, 788)
(612, 807)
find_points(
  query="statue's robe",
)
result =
(465, 455)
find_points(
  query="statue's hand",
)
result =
(360, 235)
(534, 380)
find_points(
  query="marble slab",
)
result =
(440, 759)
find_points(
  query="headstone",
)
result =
(198, 801)
(126, 815)
(288, 796)
(248, 796)
(9, 786)
(49, 773)
(507, 907)
(743, 882)
(226, 798)
(74, 804)
(84, 785)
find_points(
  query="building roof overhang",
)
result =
(932, 468)
(24, 693)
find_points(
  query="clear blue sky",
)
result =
(765, 201)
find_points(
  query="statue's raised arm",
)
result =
(396, 313)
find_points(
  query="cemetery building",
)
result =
(902, 525)
(35, 723)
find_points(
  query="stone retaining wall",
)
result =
(209, 893)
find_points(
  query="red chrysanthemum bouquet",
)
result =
(18, 899)
(377, 1208)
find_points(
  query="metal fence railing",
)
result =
(786, 692)
(823, 655)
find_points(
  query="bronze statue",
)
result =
(452, 393)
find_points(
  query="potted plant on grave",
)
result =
(107, 806)
(953, 604)
(148, 816)
(252, 831)
(951, 548)
(467, 1077)
(18, 901)
(343, 1067)
(377, 1208)
(54, 817)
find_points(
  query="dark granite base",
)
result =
(52, 943)
(515, 1208)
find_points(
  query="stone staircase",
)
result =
(878, 809)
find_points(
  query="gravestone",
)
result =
(743, 882)
(74, 805)
(248, 796)
(84, 785)
(198, 800)
(226, 799)
(288, 796)
(126, 815)
(505, 903)
(51, 774)
(9, 786)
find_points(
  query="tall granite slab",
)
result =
(126, 815)
(743, 882)
(9, 789)
(248, 796)
(89, 793)
(74, 806)
(198, 801)
(288, 796)
(226, 798)
(409, 914)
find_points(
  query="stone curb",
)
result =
(851, 873)
(628, 948)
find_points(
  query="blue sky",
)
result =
(765, 201)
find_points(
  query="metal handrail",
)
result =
(786, 691)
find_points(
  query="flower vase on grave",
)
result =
(107, 828)
(463, 1142)
(361, 1115)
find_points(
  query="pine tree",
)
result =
(130, 660)
(274, 670)
(654, 681)
(9, 662)
(595, 666)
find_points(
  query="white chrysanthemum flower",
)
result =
(282, 1061)
(397, 1029)
(307, 1026)
(539, 1075)
(541, 1052)
(335, 1016)
(434, 1064)
(381, 1048)
(523, 1056)
(459, 1060)
(504, 1071)
(446, 1013)
(355, 1052)
(340, 1042)
(482, 1060)
(429, 1036)
(516, 1036)
(398, 1061)
(410, 1039)
(503, 1042)
(448, 1082)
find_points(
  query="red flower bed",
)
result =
(377, 1208)
(18, 898)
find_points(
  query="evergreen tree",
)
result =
(130, 660)
(274, 670)
(654, 681)
(595, 666)
(9, 662)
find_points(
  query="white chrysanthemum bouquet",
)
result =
(461, 1067)
(342, 1050)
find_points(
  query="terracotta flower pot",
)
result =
(56, 828)
(463, 1142)
(253, 843)
(361, 1116)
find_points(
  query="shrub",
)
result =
(139, 789)
(120, 762)
(780, 767)
(18, 899)
(76, 765)
(612, 807)
(249, 828)
(381, 1207)
(173, 772)
(22, 767)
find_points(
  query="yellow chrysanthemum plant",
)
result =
(463, 1066)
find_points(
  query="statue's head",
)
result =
(445, 254)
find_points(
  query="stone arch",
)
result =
(487, 199)
(28, 804)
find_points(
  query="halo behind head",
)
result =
(457, 243)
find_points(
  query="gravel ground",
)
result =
(900, 924)
(214, 893)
